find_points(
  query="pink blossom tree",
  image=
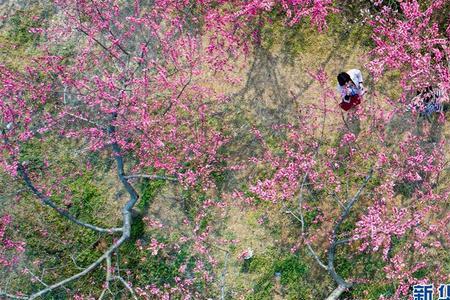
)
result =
(363, 194)
(125, 80)
(414, 42)
(9, 249)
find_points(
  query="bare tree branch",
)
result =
(100, 44)
(343, 241)
(75, 262)
(302, 220)
(337, 200)
(47, 201)
(337, 293)
(108, 270)
(87, 270)
(334, 242)
(5, 294)
(126, 226)
(102, 294)
(85, 120)
(152, 177)
(37, 278)
(308, 246)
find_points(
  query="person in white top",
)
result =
(351, 88)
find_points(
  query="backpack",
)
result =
(353, 101)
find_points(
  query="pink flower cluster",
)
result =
(9, 249)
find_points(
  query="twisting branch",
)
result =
(336, 293)
(47, 201)
(122, 177)
(166, 110)
(302, 220)
(37, 278)
(126, 227)
(85, 120)
(11, 296)
(308, 246)
(335, 242)
(151, 177)
(342, 284)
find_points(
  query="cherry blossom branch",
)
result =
(178, 96)
(112, 34)
(99, 43)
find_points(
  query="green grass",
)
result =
(294, 273)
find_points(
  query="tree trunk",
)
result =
(336, 293)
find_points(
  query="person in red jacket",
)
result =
(351, 88)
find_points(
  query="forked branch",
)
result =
(125, 229)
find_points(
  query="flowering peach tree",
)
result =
(124, 80)
(358, 194)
